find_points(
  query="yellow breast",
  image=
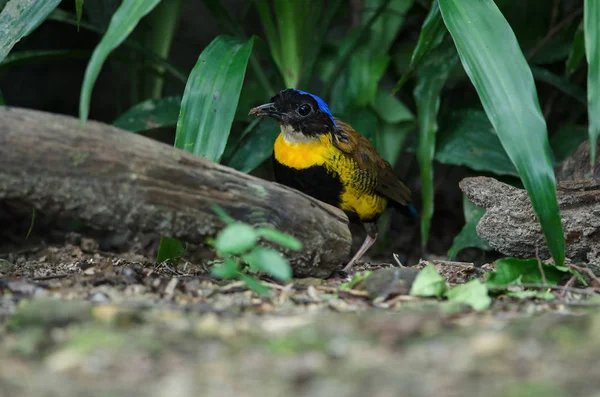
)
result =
(358, 195)
(304, 154)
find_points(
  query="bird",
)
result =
(324, 157)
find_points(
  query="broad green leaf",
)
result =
(211, 96)
(431, 36)
(495, 64)
(518, 271)
(283, 239)
(591, 28)
(429, 283)
(153, 113)
(18, 18)
(577, 53)
(566, 140)
(269, 261)
(121, 25)
(364, 73)
(236, 238)
(253, 284)
(473, 293)
(226, 270)
(255, 148)
(468, 138)
(431, 79)
(390, 108)
(468, 235)
(78, 11)
(2, 101)
(170, 249)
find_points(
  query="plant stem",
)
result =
(343, 59)
(162, 22)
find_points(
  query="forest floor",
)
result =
(75, 321)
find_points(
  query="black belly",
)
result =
(314, 181)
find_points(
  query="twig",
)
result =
(468, 265)
(552, 31)
(569, 284)
(539, 263)
(343, 59)
(554, 287)
(587, 271)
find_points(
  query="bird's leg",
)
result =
(371, 228)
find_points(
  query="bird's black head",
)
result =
(298, 112)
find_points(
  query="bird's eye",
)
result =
(304, 110)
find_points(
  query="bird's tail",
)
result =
(407, 210)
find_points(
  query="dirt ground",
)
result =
(76, 321)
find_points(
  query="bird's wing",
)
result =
(353, 144)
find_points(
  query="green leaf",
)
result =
(364, 73)
(217, 209)
(468, 235)
(431, 36)
(253, 284)
(170, 249)
(591, 28)
(78, 11)
(468, 138)
(211, 97)
(429, 283)
(236, 238)
(2, 101)
(566, 140)
(384, 29)
(226, 270)
(492, 58)
(283, 239)
(391, 138)
(356, 278)
(19, 18)
(527, 294)
(473, 293)
(577, 53)
(519, 271)
(431, 80)
(269, 261)
(121, 25)
(390, 108)
(256, 147)
(153, 113)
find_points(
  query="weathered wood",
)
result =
(511, 227)
(112, 179)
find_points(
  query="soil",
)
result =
(75, 321)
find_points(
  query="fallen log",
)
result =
(115, 180)
(511, 227)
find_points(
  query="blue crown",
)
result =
(322, 104)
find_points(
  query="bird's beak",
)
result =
(268, 110)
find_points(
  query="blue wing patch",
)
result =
(322, 104)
